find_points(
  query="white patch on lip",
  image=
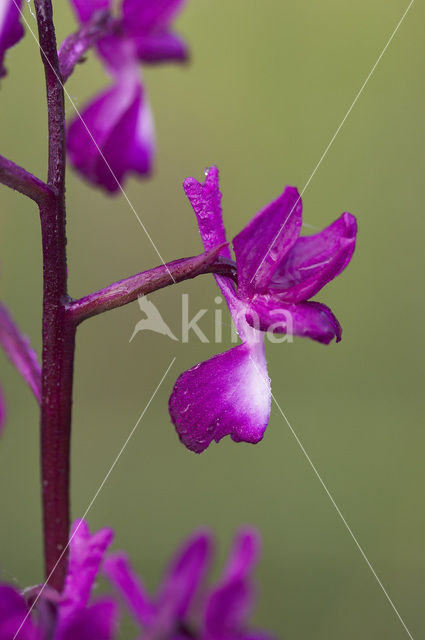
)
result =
(4, 6)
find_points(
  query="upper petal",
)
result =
(186, 574)
(145, 15)
(113, 136)
(244, 553)
(11, 29)
(117, 568)
(85, 557)
(160, 46)
(265, 241)
(226, 609)
(226, 395)
(205, 199)
(305, 319)
(13, 612)
(85, 9)
(315, 260)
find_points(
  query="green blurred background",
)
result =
(265, 90)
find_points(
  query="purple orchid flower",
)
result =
(182, 607)
(11, 29)
(69, 616)
(115, 134)
(278, 272)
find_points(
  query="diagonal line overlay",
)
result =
(341, 124)
(337, 509)
(102, 484)
(130, 204)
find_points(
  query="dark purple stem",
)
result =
(128, 290)
(58, 332)
(15, 177)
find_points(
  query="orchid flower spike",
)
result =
(114, 135)
(278, 273)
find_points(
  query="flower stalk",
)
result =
(58, 334)
(125, 291)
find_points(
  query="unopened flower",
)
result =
(184, 607)
(115, 134)
(68, 616)
(11, 29)
(278, 272)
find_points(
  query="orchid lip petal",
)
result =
(121, 138)
(226, 395)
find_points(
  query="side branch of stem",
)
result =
(17, 178)
(125, 291)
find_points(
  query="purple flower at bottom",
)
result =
(11, 29)
(183, 607)
(278, 272)
(68, 616)
(115, 134)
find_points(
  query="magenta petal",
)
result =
(227, 395)
(118, 569)
(227, 607)
(185, 574)
(85, 9)
(19, 351)
(142, 149)
(264, 242)
(306, 319)
(205, 199)
(315, 260)
(13, 611)
(120, 138)
(244, 554)
(145, 15)
(85, 557)
(11, 29)
(160, 47)
(98, 622)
